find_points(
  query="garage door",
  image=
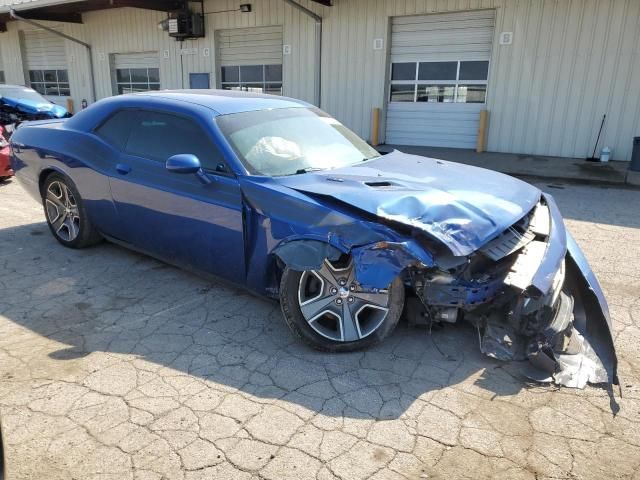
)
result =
(45, 61)
(250, 59)
(135, 72)
(439, 72)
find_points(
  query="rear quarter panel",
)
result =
(43, 147)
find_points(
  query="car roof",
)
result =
(224, 102)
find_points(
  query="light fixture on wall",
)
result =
(164, 25)
(244, 8)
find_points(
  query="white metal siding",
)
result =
(122, 30)
(250, 46)
(43, 51)
(570, 62)
(432, 38)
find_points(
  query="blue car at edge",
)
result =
(276, 196)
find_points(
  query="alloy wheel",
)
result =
(62, 211)
(335, 305)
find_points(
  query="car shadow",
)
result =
(108, 299)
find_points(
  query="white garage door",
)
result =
(45, 61)
(439, 73)
(250, 59)
(135, 72)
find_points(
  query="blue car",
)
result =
(19, 104)
(276, 196)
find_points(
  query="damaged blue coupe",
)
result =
(20, 104)
(275, 195)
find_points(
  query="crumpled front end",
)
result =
(13, 112)
(532, 295)
(524, 283)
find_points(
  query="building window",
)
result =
(439, 82)
(2, 77)
(50, 82)
(252, 78)
(131, 80)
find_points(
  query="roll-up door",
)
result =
(45, 62)
(439, 75)
(135, 72)
(250, 59)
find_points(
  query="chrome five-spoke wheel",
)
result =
(65, 212)
(334, 305)
(62, 211)
(331, 311)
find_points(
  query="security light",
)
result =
(245, 8)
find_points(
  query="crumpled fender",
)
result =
(379, 263)
(302, 232)
(306, 254)
(376, 264)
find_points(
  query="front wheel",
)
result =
(66, 215)
(329, 310)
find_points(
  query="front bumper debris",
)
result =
(546, 306)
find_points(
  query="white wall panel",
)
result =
(571, 61)
(128, 30)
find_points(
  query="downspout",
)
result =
(15, 16)
(318, 59)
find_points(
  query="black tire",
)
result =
(295, 320)
(87, 235)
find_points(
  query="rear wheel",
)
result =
(329, 310)
(65, 213)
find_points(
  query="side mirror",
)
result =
(183, 163)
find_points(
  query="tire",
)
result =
(72, 227)
(319, 332)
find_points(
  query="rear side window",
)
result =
(115, 131)
(158, 136)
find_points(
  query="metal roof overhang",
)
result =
(71, 10)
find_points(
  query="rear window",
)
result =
(116, 130)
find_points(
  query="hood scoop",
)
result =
(382, 185)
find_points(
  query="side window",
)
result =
(117, 128)
(158, 136)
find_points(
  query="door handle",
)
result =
(123, 169)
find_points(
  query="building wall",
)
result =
(571, 61)
(128, 30)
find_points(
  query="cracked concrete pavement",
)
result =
(115, 366)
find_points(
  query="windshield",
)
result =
(22, 93)
(287, 141)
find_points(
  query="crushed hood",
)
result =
(462, 206)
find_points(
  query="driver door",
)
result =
(174, 216)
